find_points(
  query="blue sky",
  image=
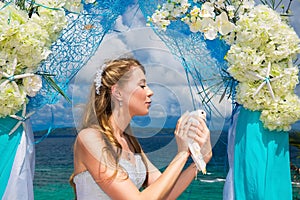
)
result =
(172, 96)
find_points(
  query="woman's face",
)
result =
(136, 94)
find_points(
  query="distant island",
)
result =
(57, 132)
(72, 131)
(145, 131)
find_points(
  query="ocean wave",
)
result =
(296, 183)
(213, 180)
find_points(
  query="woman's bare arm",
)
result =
(200, 134)
(120, 187)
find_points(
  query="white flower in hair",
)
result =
(97, 79)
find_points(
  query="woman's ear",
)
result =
(116, 93)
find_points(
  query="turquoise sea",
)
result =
(54, 165)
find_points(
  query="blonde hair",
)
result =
(100, 106)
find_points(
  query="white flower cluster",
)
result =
(169, 11)
(76, 6)
(262, 49)
(11, 101)
(24, 43)
(209, 17)
(261, 38)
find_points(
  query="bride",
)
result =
(109, 162)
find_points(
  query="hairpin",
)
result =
(97, 79)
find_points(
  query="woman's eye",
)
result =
(143, 86)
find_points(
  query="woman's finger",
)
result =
(200, 140)
(198, 134)
(182, 120)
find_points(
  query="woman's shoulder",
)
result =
(88, 144)
(89, 135)
(89, 131)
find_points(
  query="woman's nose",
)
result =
(149, 92)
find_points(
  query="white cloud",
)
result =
(119, 26)
(62, 116)
(133, 17)
(110, 48)
(161, 66)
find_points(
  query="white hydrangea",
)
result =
(27, 40)
(262, 37)
(258, 36)
(32, 85)
(207, 10)
(11, 101)
(280, 115)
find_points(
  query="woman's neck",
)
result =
(119, 124)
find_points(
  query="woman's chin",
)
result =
(143, 113)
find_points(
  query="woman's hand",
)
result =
(201, 134)
(182, 128)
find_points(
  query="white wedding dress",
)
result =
(87, 188)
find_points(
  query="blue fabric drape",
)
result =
(8, 147)
(261, 160)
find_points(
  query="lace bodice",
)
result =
(87, 188)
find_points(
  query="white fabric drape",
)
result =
(20, 183)
(228, 191)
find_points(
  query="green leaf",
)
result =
(48, 78)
